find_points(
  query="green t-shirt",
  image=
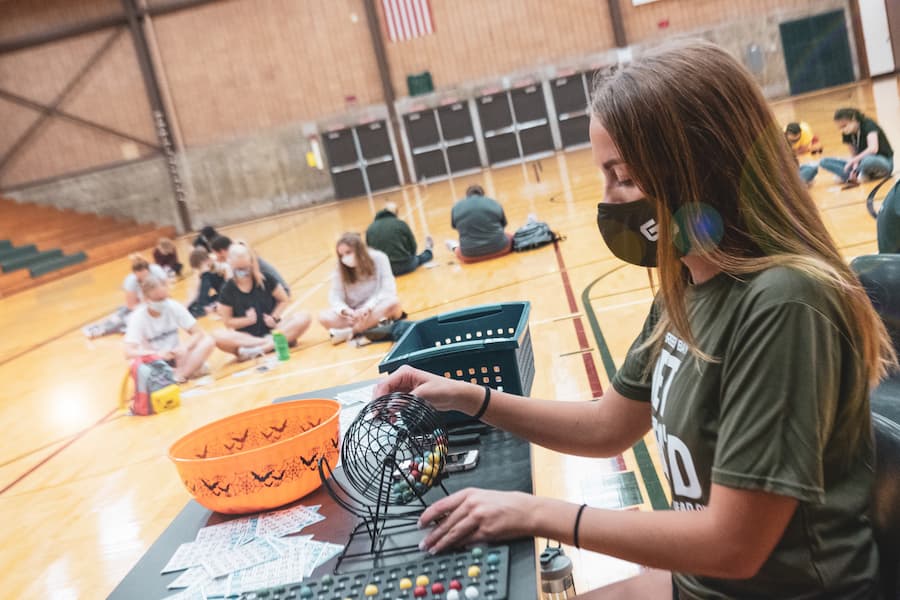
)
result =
(763, 418)
(481, 222)
(393, 237)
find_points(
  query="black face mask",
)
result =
(630, 230)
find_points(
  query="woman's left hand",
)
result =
(476, 515)
(270, 321)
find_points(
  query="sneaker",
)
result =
(452, 245)
(360, 341)
(339, 336)
(248, 352)
(429, 242)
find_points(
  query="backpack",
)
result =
(155, 389)
(533, 234)
(388, 332)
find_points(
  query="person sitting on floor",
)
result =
(220, 246)
(803, 140)
(209, 283)
(166, 256)
(481, 223)
(153, 329)
(251, 306)
(116, 322)
(871, 155)
(363, 291)
(204, 240)
(392, 235)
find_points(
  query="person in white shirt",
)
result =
(363, 291)
(140, 270)
(153, 328)
(116, 322)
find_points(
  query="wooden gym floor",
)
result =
(85, 491)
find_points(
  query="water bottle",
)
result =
(281, 345)
(556, 575)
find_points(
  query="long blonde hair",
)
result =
(365, 266)
(694, 129)
(240, 249)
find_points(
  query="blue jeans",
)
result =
(412, 263)
(871, 167)
(808, 172)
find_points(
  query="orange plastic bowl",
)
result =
(259, 459)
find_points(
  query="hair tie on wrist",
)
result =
(484, 404)
(577, 523)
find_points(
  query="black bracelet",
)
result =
(484, 404)
(577, 523)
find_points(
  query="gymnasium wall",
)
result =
(225, 182)
(658, 19)
(748, 24)
(111, 94)
(264, 63)
(475, 39)
(246, 80)
(20, 18)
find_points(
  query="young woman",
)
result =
(752, 369)
(166, 255)
(871, 155)
(204, 240)
(251, 306)
(154, 329)
(116, 322)
(209, 283)
(363, 290)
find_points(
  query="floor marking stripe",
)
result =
(589, 366)
(53, 454)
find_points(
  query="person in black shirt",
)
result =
(204, 240)
(209, 284)
(251, 306)
(871, 155)
(220, 246)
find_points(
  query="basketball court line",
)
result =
(624, 304)
(645, 463)
(56, 452)
(588, 358)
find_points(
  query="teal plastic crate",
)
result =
(488, 345)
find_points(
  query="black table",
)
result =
(504, 464)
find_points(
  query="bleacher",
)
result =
(42, 243)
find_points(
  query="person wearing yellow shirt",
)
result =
(802, 140)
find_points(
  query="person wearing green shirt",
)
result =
(481, 224)
(392, 235)
(752, 369)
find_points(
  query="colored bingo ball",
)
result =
(393, 451)
(414, 477)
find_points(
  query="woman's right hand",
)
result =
(442, 393)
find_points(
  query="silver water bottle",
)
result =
(556, 575)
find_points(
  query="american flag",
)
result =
(407, 19)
